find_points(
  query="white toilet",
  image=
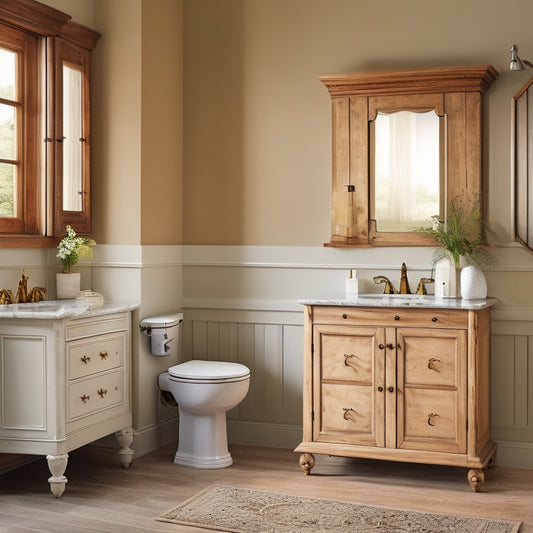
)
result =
(204, 392)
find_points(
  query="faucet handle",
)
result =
(421, 289)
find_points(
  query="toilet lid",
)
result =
(214, 370)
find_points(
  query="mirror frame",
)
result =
(523, 173)
(454, 92)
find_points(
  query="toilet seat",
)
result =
(200, 371)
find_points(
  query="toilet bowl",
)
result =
(204, 392)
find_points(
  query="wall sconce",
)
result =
(516, 62)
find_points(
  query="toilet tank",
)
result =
(163, 332)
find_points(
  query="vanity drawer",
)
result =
(390, 316)
(432, 419)
(347, 353)
(94, 394)
(435, 360)
(97, 325)
(95, 354)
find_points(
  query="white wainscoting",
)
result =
(241, 304)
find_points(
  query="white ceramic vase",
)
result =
(473, 283)
(67, 285)
(446, 285)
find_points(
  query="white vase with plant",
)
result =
(71, 249)
(461, 243)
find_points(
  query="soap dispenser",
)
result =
(352, 286)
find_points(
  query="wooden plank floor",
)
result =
(101, 496)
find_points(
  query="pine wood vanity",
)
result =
(65, 377)
(398, 382)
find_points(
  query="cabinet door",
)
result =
(348, 371)
(431, 399)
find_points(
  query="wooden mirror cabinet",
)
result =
(453, 93)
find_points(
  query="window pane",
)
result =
(7, 132)
(7, 74)
(7, 190)
(72, 133)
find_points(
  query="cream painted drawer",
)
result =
(97, 325)
(95, 354)
(94, 394)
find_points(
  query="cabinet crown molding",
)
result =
(477, 78)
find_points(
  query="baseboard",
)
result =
(264, 434)
(515, 455)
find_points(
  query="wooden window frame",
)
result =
(58, 39)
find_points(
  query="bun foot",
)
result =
(476, 478)
(307, 461)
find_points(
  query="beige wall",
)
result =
(161, 136)
(257, 120)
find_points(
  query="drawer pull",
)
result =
(104, 355)
(380, 389)
(431, 363)
(349, 413)
(434, 319)
(85, 360)
(390, 346)
(102, 392)
(431, 416)
(381, 346)
(348, 360)
(344, 315)
(391, 389)
(396, 317)
(85, 398)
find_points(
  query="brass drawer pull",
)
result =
(431, 416)
(349, 413)
(104, 355)
(102, 392)
(85, 398)
(431, 363)
(85, 360)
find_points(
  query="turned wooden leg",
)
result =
(57, 464)
(125, 438)
(476, 478)
(307, 461)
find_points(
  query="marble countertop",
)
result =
(59, 309)
(402, 300)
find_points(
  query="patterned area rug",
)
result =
(242, 510)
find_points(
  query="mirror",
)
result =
(72, 139)
(407, 184)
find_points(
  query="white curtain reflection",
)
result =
(406, 169)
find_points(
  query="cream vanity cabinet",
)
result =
(398, 383)
(65, 382)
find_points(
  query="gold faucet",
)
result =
(23, 295)
(404, 283)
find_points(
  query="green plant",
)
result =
(461, 234)
(72, 248)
